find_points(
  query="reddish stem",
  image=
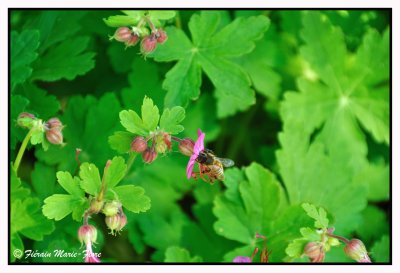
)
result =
(344, 240)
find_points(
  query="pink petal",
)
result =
(199, 145)
(189, 168)
(90, 257)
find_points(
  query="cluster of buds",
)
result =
(149, 39)
(88, 234)
(354, 248)
(52, 128)
(264, 255)
(160, 143)
(115, 217)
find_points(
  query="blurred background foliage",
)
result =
(316, 115)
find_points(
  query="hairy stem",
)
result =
(344, 240)
(103, 182)
(131, 160)
(22, 150)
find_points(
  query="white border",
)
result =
(5, 4)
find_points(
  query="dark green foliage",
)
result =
(298, 99)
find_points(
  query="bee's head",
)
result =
(201, 158)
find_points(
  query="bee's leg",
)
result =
(204, 170)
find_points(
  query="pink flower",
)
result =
(242, 259)
(197, 148)
(90, 257)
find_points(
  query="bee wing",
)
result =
(226, 162)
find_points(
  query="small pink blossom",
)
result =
(197, 148)
(90, 257)
(242, 259)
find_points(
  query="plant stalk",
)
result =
(22, 150)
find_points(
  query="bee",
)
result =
(212, 166)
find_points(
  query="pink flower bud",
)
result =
(132, 41)
(148, 44)
(111, 208)
(161, 36)
(25, 119)
(54, 136)
(356, 250)
(54, 123)
(186, 146)
(122, 34)
(149, 155)
(139, 144)
(87, 234)
(123, 222)
(315, 252)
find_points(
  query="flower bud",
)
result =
(149, 155)
(95, 206)
(54, 123)
(242, 259)
(54, 136)
(87, 233)
(186, 146)
(111, 208)
(122, 34)
(123, 221)
(161, 36)
(25, 119)
(314, 251)
(132, 41)
(113, 222)
(356, 250)
(148, 44)
(138, 144)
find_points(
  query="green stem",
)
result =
(22, 150)
(132, 157)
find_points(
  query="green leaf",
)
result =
(121, 21)
(121, 141)
(23, 52)
(343, 99)
(238, 38)
(312, 176)
(176, 254)
(43, 179)
(133, 198)
(171, 119)
(132, 122)
(41, 104)
(27, 219)
(369, 233)
(90, 178)
(71, 185)
(296, 248)
(262, 200)
(162, 14)
(64, 61)
(115, 172)
(380, 252)
(150, 114)
(321, 221)
(59, 206)
(210, 51)
(376, 178)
